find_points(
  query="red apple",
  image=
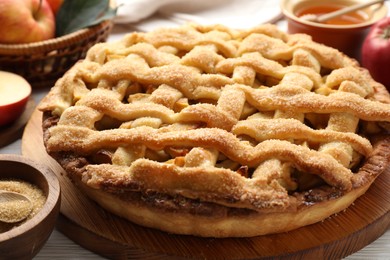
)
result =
(14, 94)
(376, 51)
(25, 21)
(55, 5)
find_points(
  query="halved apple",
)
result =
(14, 94)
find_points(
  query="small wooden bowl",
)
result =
(26, 240)
(346, 38)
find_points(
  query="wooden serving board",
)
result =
(106, 234)
(14, 131)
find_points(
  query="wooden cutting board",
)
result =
(14, 131)
(92, 227)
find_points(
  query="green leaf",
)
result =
(75, 15)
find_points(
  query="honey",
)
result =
(345, 19)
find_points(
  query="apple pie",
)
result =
(216, 132)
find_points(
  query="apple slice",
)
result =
(14, 94)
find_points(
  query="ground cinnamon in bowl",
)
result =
(31, 191)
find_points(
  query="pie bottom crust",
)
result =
(210, 226)
(242, 223)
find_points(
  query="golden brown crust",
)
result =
(194, 217)
(244, 132)
(226, 225)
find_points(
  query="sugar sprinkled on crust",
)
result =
(252, 122)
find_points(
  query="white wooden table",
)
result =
(60, 247)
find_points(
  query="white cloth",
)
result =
(146, 15)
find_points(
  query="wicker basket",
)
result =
(42, 63)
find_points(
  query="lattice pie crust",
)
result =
(210, 131)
